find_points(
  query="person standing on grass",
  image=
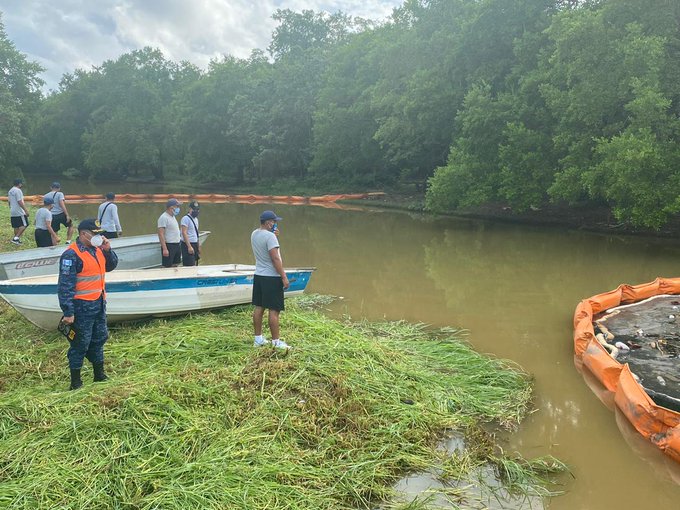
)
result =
(270, 279)
(60, 215)
(108, 217)
(44, 233)
(82, 298)
(168, 234)
(17, 210)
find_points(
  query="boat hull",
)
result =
(134, 252)
(137, 294)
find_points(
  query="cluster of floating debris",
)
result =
(646, 335)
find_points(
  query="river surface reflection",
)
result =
(513, 287)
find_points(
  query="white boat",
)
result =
(134, 252)
(136, 294)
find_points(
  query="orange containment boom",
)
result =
(658, 424)
(329, 201)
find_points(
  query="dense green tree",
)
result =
(63, 119)
(19, 99)
(299, 32)
(345, 150)
(213, 119)
(126, 134)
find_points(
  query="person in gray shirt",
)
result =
(17, 210)
(44, 233)
(60, 215)
(270, 279)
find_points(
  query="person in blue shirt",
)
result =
(82, 298)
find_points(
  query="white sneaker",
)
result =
(16, 241)
(260, 343)
(280, 344)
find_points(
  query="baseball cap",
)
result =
(18, 181)
(48, 201)
(56, 185)
(172, 202)
(269, 215)
(90, 224)
(194, 205)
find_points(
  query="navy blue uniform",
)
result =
(89, 316)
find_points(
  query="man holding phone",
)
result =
(82, 298)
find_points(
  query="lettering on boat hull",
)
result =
(36, 263)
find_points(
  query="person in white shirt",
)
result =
(17, 210)
(60, 215)
(191, 250)
(108, 217)
(44, 233)
(168, 234)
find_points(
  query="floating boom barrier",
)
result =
(659, 425)
(329, 201)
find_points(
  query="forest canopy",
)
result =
(523, 103)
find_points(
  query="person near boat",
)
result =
(17, 210)
(82, 298)
(45, 235)
(191, 250)
(169, 234)
(108, 217)
(60, 215)
(270, 279)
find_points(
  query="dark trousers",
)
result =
(91, 333)
(190, 259)
(174, 255)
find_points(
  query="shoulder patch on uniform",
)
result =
(66, 262)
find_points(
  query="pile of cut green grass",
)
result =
(194, 416)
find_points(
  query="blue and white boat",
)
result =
(136, 294)
(134, 252)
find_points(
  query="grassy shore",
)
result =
(194, 416)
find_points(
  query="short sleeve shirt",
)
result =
(262, 241)
(188, 222)
(15, 195)
(42, 218)
(57, 196)
(169, 223)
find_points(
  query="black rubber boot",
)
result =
(76, 381)
(99, 374)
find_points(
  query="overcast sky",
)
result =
(63, 35)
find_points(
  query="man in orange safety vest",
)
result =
(82, 297)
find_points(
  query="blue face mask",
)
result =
(176, 211)
(275, 226)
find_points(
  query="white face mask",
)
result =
(96, 240)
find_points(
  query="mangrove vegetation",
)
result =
(521, 103)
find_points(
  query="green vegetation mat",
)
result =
(194, 416)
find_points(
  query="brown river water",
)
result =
(514, 288)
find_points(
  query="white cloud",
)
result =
(64, 35)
